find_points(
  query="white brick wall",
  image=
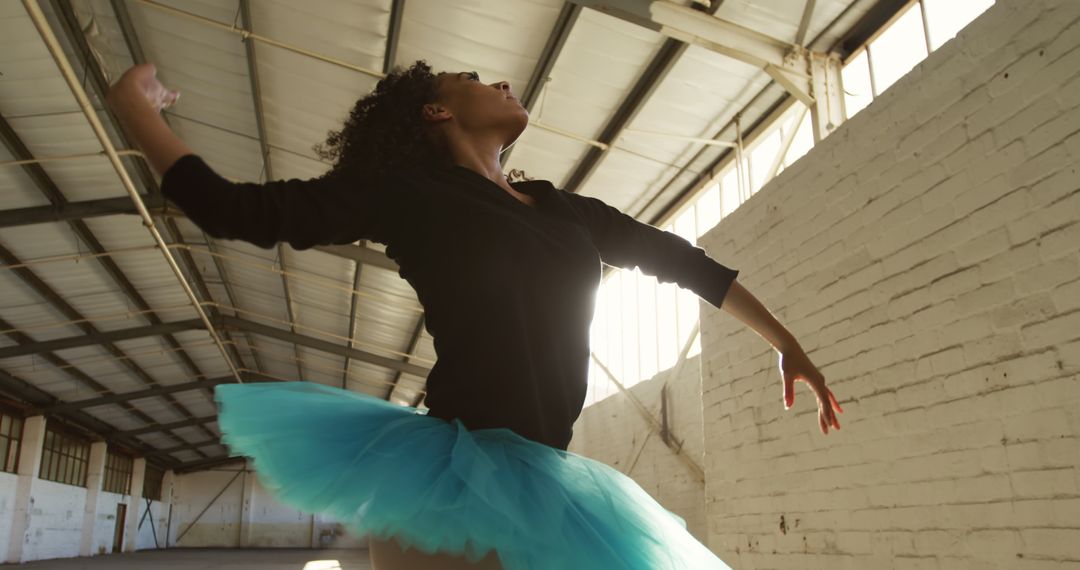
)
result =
(613, 431)
(930, 265)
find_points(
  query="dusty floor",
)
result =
(212, 559)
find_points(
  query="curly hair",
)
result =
(385, 130)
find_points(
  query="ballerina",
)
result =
(507, 272)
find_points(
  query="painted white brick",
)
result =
(927, 256)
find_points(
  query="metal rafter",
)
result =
(45, 291)
(100, 86)
(169, 426)
(268, 165)
(100, 338)
(804, 25)
(203, 464)
(27, 392)
(866, 27)
(564, 24)
(115, 206)
(393, 32)
(131, 39)
(413, 341)
(13, 386)
(665, 59)
(114, 398)
(44, 183)
(325, 346)
(77, 211)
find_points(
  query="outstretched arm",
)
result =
(625, 242)
(795, 365)
(329, 209)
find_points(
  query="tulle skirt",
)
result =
(386, 470)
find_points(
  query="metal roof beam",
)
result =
(186, 446)
(169, 426)
(268, 165)
(99, 84)
(658, 68)
(202, 464)
(100, 338)
(363, 255)
(27, 392)
(113, 206)
(39, 286)
(413, 341)
(393, 33)
(556, 40)
(204, 384)
(325, 346)
(77, 211)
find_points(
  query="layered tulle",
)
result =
(388, 470)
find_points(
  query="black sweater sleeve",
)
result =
(329, 209)
(625, 242)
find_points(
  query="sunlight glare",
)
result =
(322, 565)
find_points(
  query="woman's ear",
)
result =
(435, 112)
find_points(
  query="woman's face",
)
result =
(479, 108)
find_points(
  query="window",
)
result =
(858, 88)
(10, 438)
(64, 458)
(118, 470)
(152, 484)
(945, 18)
(640, 326)
(898, 49)
(902, 45)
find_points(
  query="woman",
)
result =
(507, 273)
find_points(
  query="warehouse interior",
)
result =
(896, 181)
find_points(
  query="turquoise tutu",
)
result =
(386, 470)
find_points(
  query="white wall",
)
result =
(265, 523)
(219, 526)
(614, 432)
(8, 483)
(56, 520)
(927, 257)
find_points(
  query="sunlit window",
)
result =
(640, 326)
(945, 18)
(898, 49)
(903, 45)
(858, 90)
(803, 141)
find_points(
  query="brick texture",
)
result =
(927, 256)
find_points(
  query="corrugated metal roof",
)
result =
(589, 87)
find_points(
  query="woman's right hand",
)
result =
(141, 81)
(795, 365)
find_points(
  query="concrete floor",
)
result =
(213, 558)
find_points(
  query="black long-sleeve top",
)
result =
(508, 289)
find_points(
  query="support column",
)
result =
(247, 497)
(95, 476)
(827, 109)
(135, 503)
(29, 466)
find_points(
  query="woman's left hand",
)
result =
(141, 81)
(796, 366)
